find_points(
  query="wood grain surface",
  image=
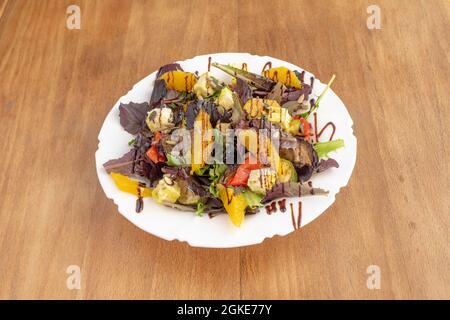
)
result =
(57, 85)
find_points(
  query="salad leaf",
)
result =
(168, 67)
(123, 165)
(216, 171)
(295, 94)
(277, 92)
(324, 148)
(182, 173)
(238, 113)
(292, 189)
(253, 199)
(255, 80)
(305, 172)
(316, 105)
(218, 137)
(213, 189)
(243, 90)
(175, 161)
(182, 207)
(171, 95)
(202, 171)
(214, 95)
(132, 116)
(325, 164)
(210, 108)
(158, 93)
(200, 209)
(148, 170)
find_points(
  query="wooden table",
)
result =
(57, 85)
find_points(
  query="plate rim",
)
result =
(260, 239)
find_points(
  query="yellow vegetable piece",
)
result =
(235, 205)
(268, 153)
(203, 135)
(295, 127)
(179, 80)
(205, 86)
(274, 158)
(167, 190)
(126, 184)
(256, 107)
(287, 172)
(260, 146)
(283, 75)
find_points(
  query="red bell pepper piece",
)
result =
(306, 127)
(152, 152)
(240, 178)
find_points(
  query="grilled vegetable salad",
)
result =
(205, 146)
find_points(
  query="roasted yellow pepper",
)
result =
(260, 147)
(179, 80)
(256, 107)
(283, 75)
(235, 205)
(131, 186)
(202, 138)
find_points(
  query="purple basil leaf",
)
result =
(292, 189)
(243, 90)
(325, 164)
(171, 95)
(123, 165)
(159, 92)
(293, 94)
(132, 116)
(305, 172)
(167, 68)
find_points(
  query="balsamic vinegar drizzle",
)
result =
(140, 200)
(302, 76)
(186, 83)
(270, 208)
(139, 205)
(275, 76)
(311, 191)
(268, 65)
(297, 224)
(292, 216)
(328, 124)
(282, 205)
(299, 217)
(288, 78)
(229, 196)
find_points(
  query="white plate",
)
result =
(219, 232)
